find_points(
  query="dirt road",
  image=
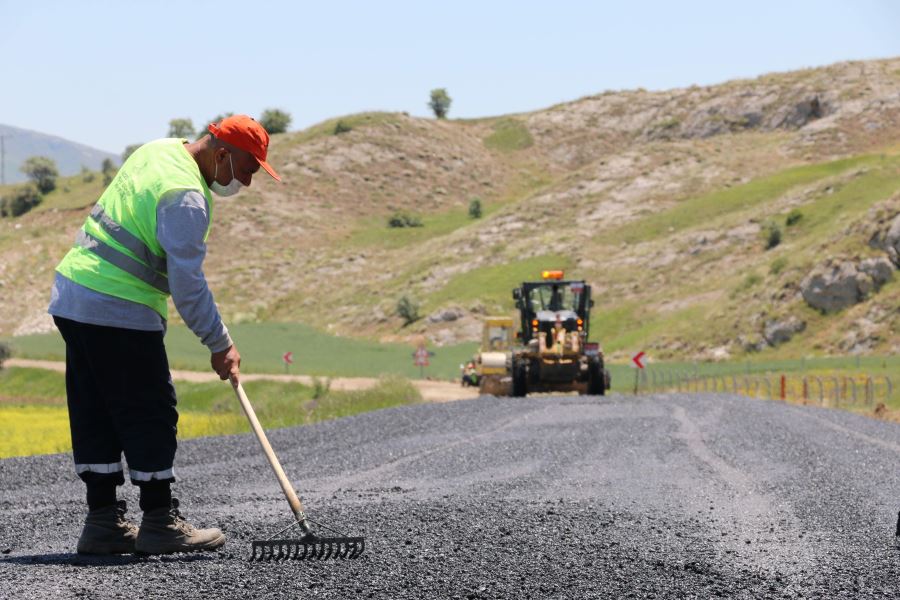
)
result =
(660, 496)
(431, 390)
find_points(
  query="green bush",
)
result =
(475, 208)
(20, 201)
(793, 217)
(321, 388)
(42, 171)
(403, 219)
(4, 353)
(341, 127)
(87, 175)
(778, 265)
(275, 121)
(440, 103)
(408, 310)
(772, 234)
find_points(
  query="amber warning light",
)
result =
(552, 274)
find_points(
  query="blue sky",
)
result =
(113, 73)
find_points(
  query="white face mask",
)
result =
(226, 190)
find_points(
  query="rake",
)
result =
(309, 545)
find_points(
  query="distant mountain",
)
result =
(20, 144)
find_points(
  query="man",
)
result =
(144, 240)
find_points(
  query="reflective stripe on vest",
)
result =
(123, 261)
(128, 239)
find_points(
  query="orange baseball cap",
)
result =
(245, 133)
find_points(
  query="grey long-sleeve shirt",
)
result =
(182, 219)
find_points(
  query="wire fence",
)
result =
(862, 390)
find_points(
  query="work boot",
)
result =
(164, 530)
(107, 531)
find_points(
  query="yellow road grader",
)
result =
(550, 352)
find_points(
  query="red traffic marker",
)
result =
(288, 358)
(637, 358)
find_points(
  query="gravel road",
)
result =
(545, 497)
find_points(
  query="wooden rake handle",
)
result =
(286, 486)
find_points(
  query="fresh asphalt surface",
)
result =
(546, 497)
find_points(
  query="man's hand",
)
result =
(227, 363)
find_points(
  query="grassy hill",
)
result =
(70, 157)
(661, 200)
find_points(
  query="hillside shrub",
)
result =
(793, 217)
(87, 175)
(42, 171)
(440, 103)
(408, 310)
(778, 265)
(475, 208)
(772, 234)
(341, 127)
(403, 219)
(275, 121)
(20, 201)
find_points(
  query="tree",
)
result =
(440, 102)
(275, 121)
(20, 201)
(408, 310)
(42, 171)
(128, 151)
(108, 168)
(181, 128)
(4, 353)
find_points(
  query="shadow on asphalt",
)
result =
(84, 560)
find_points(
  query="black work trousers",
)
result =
(121, 399)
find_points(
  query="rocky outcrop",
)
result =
(832, 287)
(780, 331)
(445, 315)
(892, 242)
(837, 285)
(881, 270)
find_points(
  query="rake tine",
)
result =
(342, 550)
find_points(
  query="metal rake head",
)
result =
(309, 547)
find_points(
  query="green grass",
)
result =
(376, 233)
(699, 211)
(28, 427)
(326, 128)
(71, 193)
(493, 285)
(263, 344)
(876, 367)
(509, 135)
